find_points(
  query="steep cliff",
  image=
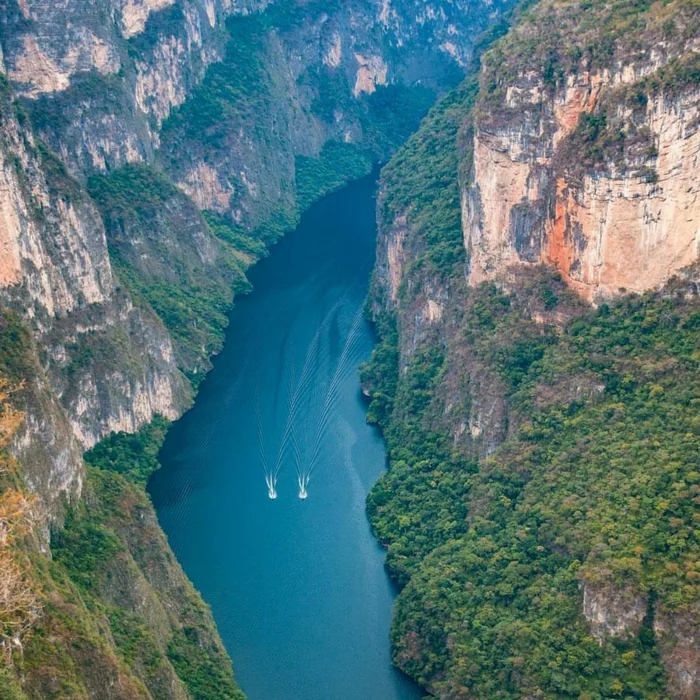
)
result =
(585, 149)
(109, 613)
(539, 507)
(57, 274)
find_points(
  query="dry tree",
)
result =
(20, 604)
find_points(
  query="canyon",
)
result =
(151, 151)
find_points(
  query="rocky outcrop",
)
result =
(678, 637)
(372, 72)
(47, 446)
(61, 271)
(56, 272)
(634, 230)
(613, 612)
(595, 171)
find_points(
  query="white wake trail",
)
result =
(327, 407)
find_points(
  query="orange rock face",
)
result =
(608, 231)
(10, 268)
(611, 234)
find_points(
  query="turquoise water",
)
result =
(297, 587)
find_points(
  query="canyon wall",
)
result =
(104, 364)
(150, 152)
(594, 168)
(538, 239)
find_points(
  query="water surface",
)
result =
(297, 588)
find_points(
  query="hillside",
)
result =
(541, 503)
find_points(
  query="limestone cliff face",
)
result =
(593, 170)
(48, 45)
(633, 231)
(613, 612)
(71, 270)
(114, 69)
(422, 297)
(56, 272)
(677, 636)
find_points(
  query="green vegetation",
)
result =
(236, 88)
(112, 537)
(337, 165)
(420, 183)
(595, 484)
(238, 238)
(131, 193)
(420, 503)
(198, 662)
(170, 21)
(680, 74)
(596, 487)
(391, 114)
(133, 455)
(16, 363)
(52, 113)
(138, 202)
(9, 686)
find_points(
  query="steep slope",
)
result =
(57, 274)
(540, 503)
(110, 613)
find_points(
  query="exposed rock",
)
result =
(51, 455)
(613, 612)
(624, 232)
(394, 256)
(678, 637)
(203, 186)
(372, 72)
(136, 12)
(629, 224)
(334, 53)
(41, 73)
(57, 273)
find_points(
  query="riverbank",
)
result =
(297, 588)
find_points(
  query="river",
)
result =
(297, 587)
